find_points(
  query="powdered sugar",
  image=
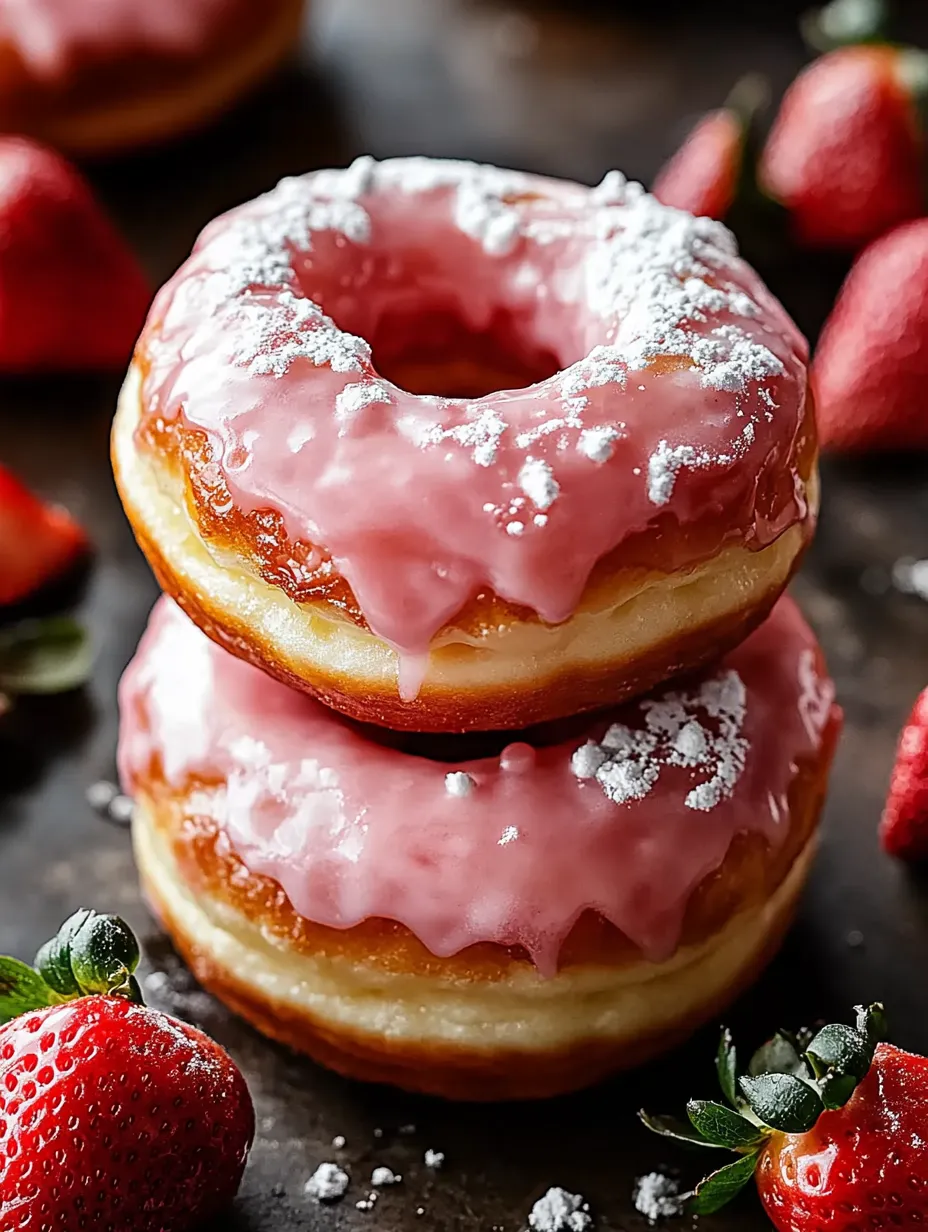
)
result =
(657, 1196)
(328, 1183)
(384, 1176)
(354, 398)
(536, 479)
(597, 443)
(457, 783)
(560, 1211)
(666, 462)
(627, 762)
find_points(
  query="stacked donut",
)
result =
(475, 749)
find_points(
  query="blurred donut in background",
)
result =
(98, 76)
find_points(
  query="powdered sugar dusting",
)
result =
(354, 398)
(560, 1211)
(536, 479)
(666, 462)
(657, 1196)
(328, 1183)
(627, 762)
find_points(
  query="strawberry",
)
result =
(37, 541)
(72, 295)
(714, 166)
(871, 367)
(846, 155)
(112, 1115)
(904, 826)
(831, 1125)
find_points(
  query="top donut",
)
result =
(454, 447)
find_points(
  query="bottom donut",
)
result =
(515, 924)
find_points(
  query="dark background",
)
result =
(570, 89)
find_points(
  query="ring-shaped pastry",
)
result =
(605, 474)
(512, 925)
(99, 76)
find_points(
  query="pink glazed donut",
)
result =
(457, 448)
(96, 76)
(512, 925)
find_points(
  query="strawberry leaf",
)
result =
(53, 961)
(22, 990)
(839, 1049)
(837, 1090)
(871, 1022)
(778, 1056)
(720, 1187)
(844, 23)
(44, 656)
(726, 1064)
(720, 1125)
(103, 954)
(679, 1131)
(783, 1101)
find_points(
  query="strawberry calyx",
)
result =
(90, 955)
(847, 23)
(790, 1081)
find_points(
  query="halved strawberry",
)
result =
(72, 294)
(37, 541)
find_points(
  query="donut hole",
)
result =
(447, 320)
(434, 351)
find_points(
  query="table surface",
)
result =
(570, 90)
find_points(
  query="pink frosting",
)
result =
(625, 818)
(51, 35)
(679, 395)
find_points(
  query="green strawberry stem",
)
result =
(846, 23)
(791, 1080)
(91, 954)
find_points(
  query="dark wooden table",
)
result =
(570, 90)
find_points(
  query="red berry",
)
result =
(115, 1116)
(870, 370)
(904, 827)
(37, 541)
(861, 1167)
(845, 155)
(702, 176)
(72, 295)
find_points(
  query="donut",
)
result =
(98, 76)
(516, 922)
(456, 448)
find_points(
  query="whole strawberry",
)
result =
(831, 1126)
(870, 369)
(715, 165)
(112, 1115)
(904, 827)
(72, 295)
(846, 154)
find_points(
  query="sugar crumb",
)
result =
(368, 1203)
(560, 1211)
(384, 1176)
(328, 1183)
(657, 1196)
(536, 479)
(434, 1159)
(457, 783)
(338, 1141)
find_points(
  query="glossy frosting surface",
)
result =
(51, 35)
(678, 396)
(626, 817)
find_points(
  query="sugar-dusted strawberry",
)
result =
(37, 541)
(904, 826)
(846, 154)
(870, 370)
(112, 1115)
(831, 1125)
(72, 295)
(715, 163)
